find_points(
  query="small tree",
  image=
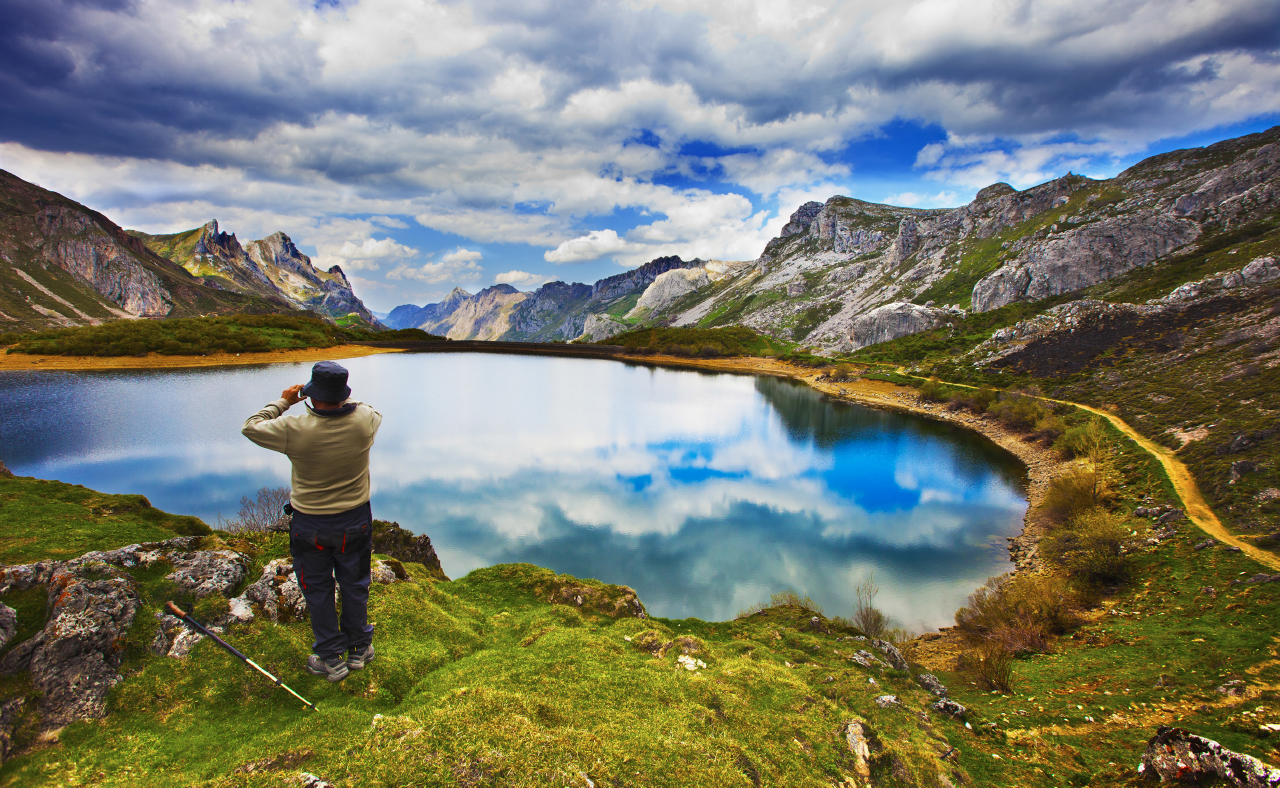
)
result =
(260, 513)
(866, 616)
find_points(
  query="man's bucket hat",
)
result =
(328, 383)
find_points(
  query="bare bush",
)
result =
(990, 666)
(1020, 612)
(260, 513)
(866, 616)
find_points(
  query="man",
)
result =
(331, 533)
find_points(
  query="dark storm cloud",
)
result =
(106, 77)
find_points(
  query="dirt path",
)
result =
(1184, 484)
(22, 361)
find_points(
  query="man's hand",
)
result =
(292, 395)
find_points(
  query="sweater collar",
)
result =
(346, 408)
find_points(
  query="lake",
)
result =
(704, 492)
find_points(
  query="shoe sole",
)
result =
(360, 665)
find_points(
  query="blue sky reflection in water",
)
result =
(704, 492)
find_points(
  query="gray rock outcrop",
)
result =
(891, 321)
(1176, 755)
(891, 653)
(600, 327)
(8, 624)
(1077, 258)
(667, 288)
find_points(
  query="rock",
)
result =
(277, 592)
(5, 473)
(891, 653)
(950, 707)
(862, 743)
(75, 657)
(1240, 468)
(1206, 543)
(309, 780)
(8, 624)
(208, 572)
(1171, 516)
(931, 683)
(815, 625)
(387, 572)
(9, 713)
(894, 320)
(174, 638)
(667, 288)
(1176, 755)
(1232, 689)
(601, 326)
(885, 701)
(1264, 578)
(651, 641)
(390, 539)
(690, 663)
(1083, 256)
(868, 660)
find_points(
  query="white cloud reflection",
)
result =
(705, 492)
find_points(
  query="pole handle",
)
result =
(174, 609)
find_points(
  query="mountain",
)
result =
(554, 312)
(272, 268)
(63, 264)
(846, 273)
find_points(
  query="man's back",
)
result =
(329, 451)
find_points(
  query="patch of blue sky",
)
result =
(697, 475)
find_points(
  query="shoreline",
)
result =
(1041, 463)
(22, 362)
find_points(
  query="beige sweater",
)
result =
(330, 454)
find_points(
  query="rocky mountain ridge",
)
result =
(848, 273)
(63, 264)
(271, 268)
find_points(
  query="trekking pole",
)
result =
(197, 626)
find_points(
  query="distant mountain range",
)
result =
(847, 273)
(63, 264)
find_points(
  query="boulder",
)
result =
(277, 592)
(73, 660)
(862, 743)
(894, 320)
(9, 713)
(931, 683)
(891, 653)
(390, 539)
(208, 571)
(950, 708)
(1176, 755)
(885, 701)
(8, 624)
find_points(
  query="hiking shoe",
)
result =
(360, 656)
(334, 669)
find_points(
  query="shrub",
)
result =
(843, 372)
(1050, 428)
(1083, 440)
(1020, 612)
(1076, 491)
(976, 400)
(1090, 547)
(787, 596)
(1018, 412)
(989, 665)
(866, 616)
(259, 513)
(932, 390)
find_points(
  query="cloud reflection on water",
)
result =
(704, 492)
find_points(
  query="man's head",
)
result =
(328, 385)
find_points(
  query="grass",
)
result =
(200, 336)
(733, 341)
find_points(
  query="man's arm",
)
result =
(264, 429)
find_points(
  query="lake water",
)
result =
(704, 492)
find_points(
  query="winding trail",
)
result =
(1184, 484)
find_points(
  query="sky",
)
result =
(424, 146)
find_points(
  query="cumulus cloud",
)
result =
(461, 255)
(365, 256)
(520, 279)
(438, 272)
(517, 124)
(592, 246)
